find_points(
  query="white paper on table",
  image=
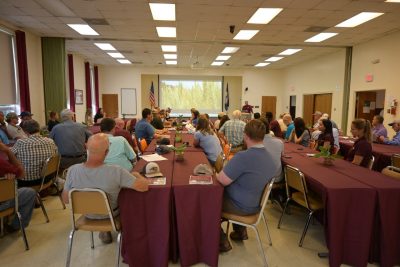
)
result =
(153, 157)
(310, 155)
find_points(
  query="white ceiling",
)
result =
(202, 28)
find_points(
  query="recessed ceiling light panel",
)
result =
(171, 62)
(262, 64)
(245, 34)
(116, 55)
(321, 37)
(168, 32)
(170, 56)
(217, 63)
(123, 61)
(359, 19)
(230, 50)
(273, 59)
(168, 48)
(105, 46)
(264, 15)
(289, 52)
(162, 11)
(223, 57)
(83, 29)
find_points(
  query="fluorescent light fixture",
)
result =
(116, 55)
(170, 56)
(359, 19)
(83, 29)
(168, 48)
(392, 1)
(230, 50)
(162, 11)
(169, 32)
(320, 37)
(217, 63)
(263, 64)
(245, 34)
(224, 57)
(264, 15)
(123, 61)
(171, 62)
(289, 52)
(105, 46)
(273, 59)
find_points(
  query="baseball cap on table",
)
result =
(395, 121)
(152, 169)
(317, 113)
(203, 169)
(25, 114)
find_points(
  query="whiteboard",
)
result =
(128, 101)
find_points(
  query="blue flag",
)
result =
(227, 98)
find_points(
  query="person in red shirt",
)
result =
(247, 108)
(11, 169)
(120, 131)
(361, 152)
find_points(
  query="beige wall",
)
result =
(79, 82)
(321, 75)
(146, 80)
(386, 73)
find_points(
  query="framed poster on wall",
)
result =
(78, 97)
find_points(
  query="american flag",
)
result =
(152, 98)
(227, 98)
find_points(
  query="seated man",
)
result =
(70, 138)
(13, 129)
(120, 131)
(396, 139)
(378, 129)
(144, 129)
(287, 120)
(11, 169)
(245, 177)
(32, 152)
(233, 131)
(109, 178)
(120, 152)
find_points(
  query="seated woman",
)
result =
(53, 120)
(99, 115)
(207, 140)
(300, 135)
(361, 152)
(325, 139)
(195, 117)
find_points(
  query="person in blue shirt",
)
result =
(396, 138)
(143, 128)
(287, 119)
(4, 137)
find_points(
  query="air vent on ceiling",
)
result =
(316, 29)
(96, 21)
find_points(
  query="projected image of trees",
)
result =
(184, 95)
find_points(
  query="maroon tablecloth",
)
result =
(198, 213)
(186, 137)
(152, 146)
(381, 152)
(387, 231)
(145, 219)
(296, 148)
(349, 207)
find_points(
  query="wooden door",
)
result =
(268, 104)
(363, 104)
(323, 103)
(308, 109)
(110, 105)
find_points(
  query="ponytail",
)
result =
(365, 125)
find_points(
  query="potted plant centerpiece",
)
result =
(179, 127)
(326, 155)
(179, 151)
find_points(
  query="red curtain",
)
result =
(88, 87)
(96, 86)
(71, 82)
(25, 100)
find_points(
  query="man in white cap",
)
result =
(70, 138)
(396, 139)
(317, 115)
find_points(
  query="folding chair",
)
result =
(253, 220)
(50, 169)
(392, 171)
(371, 163)
(9, 191)
(92, 201)
(295, 181)
(396, 160)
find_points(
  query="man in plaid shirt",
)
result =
(233, 130)
(32, 152)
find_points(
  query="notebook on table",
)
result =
(200, 179)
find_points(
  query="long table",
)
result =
(379, 234)
(381, 152)
(174, 220)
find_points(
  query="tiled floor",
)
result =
(48, 243)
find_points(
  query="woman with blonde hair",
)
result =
(361, 152)
(205, 138)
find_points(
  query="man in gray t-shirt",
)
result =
(245, 177)
(109, 178)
